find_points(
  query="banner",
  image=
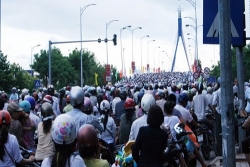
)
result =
(96, 82)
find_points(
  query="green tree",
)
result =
(20, 78)
(4, 73)
(246, 51)
(61, 70)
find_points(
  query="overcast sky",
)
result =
(26, 23)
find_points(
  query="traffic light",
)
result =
(115, 39)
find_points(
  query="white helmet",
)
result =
(105, 105)
(76, 96)
(25, 91)
(147, 101)
(64, 129)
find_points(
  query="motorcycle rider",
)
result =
(119, 107)
(51, 92)
(161, 101)
(88, 146)
(14, 95)
(9, 147)
(200, 103)
(77, 101)
(147, 101)
(187, 117)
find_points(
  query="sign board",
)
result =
(37, 83)
(198, 69)
(108, 78)
(108, 73)
(30, 72)
(211, 79)
(211, 22)
(196, 75)
(206, 70)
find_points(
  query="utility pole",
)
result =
(227, 113)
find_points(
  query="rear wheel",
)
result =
(205, 152)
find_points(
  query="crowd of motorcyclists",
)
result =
(76, 126)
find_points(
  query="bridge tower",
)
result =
(180, 35)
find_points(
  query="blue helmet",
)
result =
(183, 98)
(25, 105)
(32, 102)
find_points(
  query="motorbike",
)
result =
(184, 148)
(26, 154)
(206, 141)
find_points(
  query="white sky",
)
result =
(27, 23)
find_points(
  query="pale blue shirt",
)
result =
(79, 117)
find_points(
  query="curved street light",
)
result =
(82, 9)
(32, 48)
(106, 40)
(122, 55)
(145, 36)
(132, 32)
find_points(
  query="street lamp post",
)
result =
(193, 3)
(122, 55)
(32, 48)
(141, 47)
(106, 40)
(154, 55)
(124, 62)
(147, 54)
(132, 32)
(82, 9)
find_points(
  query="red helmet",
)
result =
(129, 104)
(35, 95)
(48, 98)
(4, 96)
(5, 117)
(68, 88)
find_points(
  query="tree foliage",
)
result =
(66, 70)
(246, 59)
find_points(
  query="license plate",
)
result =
(200, 138)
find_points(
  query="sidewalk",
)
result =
(240, 160)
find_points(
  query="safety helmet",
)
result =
(64, 129)
(76, 96)
(129, 104)
(5, 117)
(32, 102)
(47, 111)
(87, 94)
(35, 95)
(4, 96)
(183, 98)
(87, 136)
(105, 105)
(13, 89)
(161, 94)
(147, 101)
(68, 88)
(87, 106)
(48, 98)
(123, 94)
(62, 92)
(25, 105)
(209, 89)
(25, 91)
(51, 90)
